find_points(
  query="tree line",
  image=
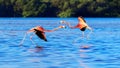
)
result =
(59, 8)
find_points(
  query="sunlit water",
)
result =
(61, 51)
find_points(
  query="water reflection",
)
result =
(83, 49)
(36, 49)
(31, 54)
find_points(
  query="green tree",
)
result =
(59, 8)
(33, 8)
(6, 7)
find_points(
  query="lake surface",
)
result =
(65, 47)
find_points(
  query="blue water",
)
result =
(60, 51)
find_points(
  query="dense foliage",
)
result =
(59, 8)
